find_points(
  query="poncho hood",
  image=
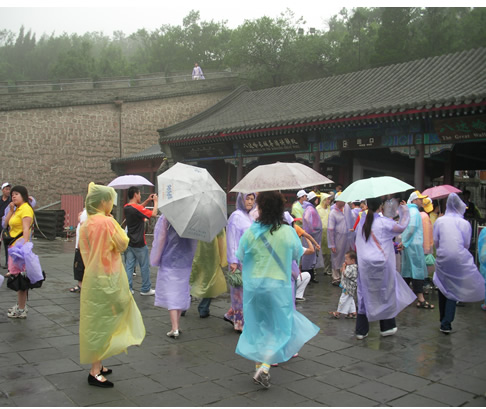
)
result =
(455, 206)
(240, 202)
(97, 196)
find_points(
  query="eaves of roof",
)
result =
(434, 86)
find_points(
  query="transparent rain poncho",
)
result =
(207, 277)
(273, 330)
(25, 259)
(413, 257)
(456, 275)
(382, 292)
(110, 320)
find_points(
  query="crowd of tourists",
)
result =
(379, 251)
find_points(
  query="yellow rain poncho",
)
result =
(207, 278)
(110, 320)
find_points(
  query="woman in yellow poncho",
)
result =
(110, 320)
(323, 208)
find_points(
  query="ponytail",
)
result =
(373, 205)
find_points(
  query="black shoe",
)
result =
(95, 381)
(183, 313)
(105, 371)
(314, 281)
(204, 315)
(460, 304)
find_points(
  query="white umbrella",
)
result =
(373, 187)
(192, 201)
(280, 176)
(127, 181)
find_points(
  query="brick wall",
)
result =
(54, 150)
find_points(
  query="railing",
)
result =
(106, 83)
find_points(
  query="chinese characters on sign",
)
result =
(457, 129)
(360, 143)
(282, 144)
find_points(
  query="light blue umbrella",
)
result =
(373, 187)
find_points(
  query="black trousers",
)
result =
(417, 285)
(363, 326)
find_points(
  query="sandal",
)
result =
(352, 315)
(334, 314)
(425, 305)
(75, 289)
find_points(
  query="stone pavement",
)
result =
(419, 366)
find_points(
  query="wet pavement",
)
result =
(419, 366)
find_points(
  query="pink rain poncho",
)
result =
(273, 330)
(312, 224)
(382, 292)
(413, 257)
(110, 320)
(173, 256)
(456, 275)
(338, 236)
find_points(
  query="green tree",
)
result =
(77, 62)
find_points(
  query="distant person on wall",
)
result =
(4, 202)
(137, 251)
(197, 73)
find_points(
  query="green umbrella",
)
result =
(373, 187)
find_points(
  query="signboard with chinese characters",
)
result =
(278, 144)
(360, 143)
(205, 151)
(463, 128)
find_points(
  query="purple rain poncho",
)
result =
(239, 221)
(173, 256)
(456, 275)
(413, 257)
(274, 331)
(23, 256)
(382, 292)
(338, 236)
(312, 224)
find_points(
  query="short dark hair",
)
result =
(351, 254)
(22, 190)
(131, 192)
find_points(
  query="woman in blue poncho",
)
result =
(273, 330)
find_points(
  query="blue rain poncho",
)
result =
(456, 275)
(413, 257)
(110, 320)
(273, 330)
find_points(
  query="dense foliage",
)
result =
(266, 51)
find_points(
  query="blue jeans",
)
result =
(140, 255)
(203, 306)
(447, 311)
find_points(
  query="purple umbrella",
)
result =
(127, 181)
(440, 192)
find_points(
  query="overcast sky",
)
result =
(108, 16)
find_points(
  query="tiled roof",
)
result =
(153, 152)
(409, 88)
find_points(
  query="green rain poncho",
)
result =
(207, 278)
(110, 320)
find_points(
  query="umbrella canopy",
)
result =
(127, 181)
(373, 187)
(440, 192)
(280, 176)
(192, 201)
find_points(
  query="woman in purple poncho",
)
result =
(239, 221)
(456, 276)
(173, 256)
(382, 292)
(312, 224)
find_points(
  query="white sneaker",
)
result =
(17, 313)
(149, 292)
(389, 332)
(173, 334)
(16, 307)
(359, 336)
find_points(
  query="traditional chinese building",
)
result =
(417, 121)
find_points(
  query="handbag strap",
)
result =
(274, 255)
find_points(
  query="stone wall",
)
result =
(58, 147)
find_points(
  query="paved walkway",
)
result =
(419, 366)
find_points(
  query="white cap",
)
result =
(301, 193)
(416, 195)
(311, 196)
(5, 185)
